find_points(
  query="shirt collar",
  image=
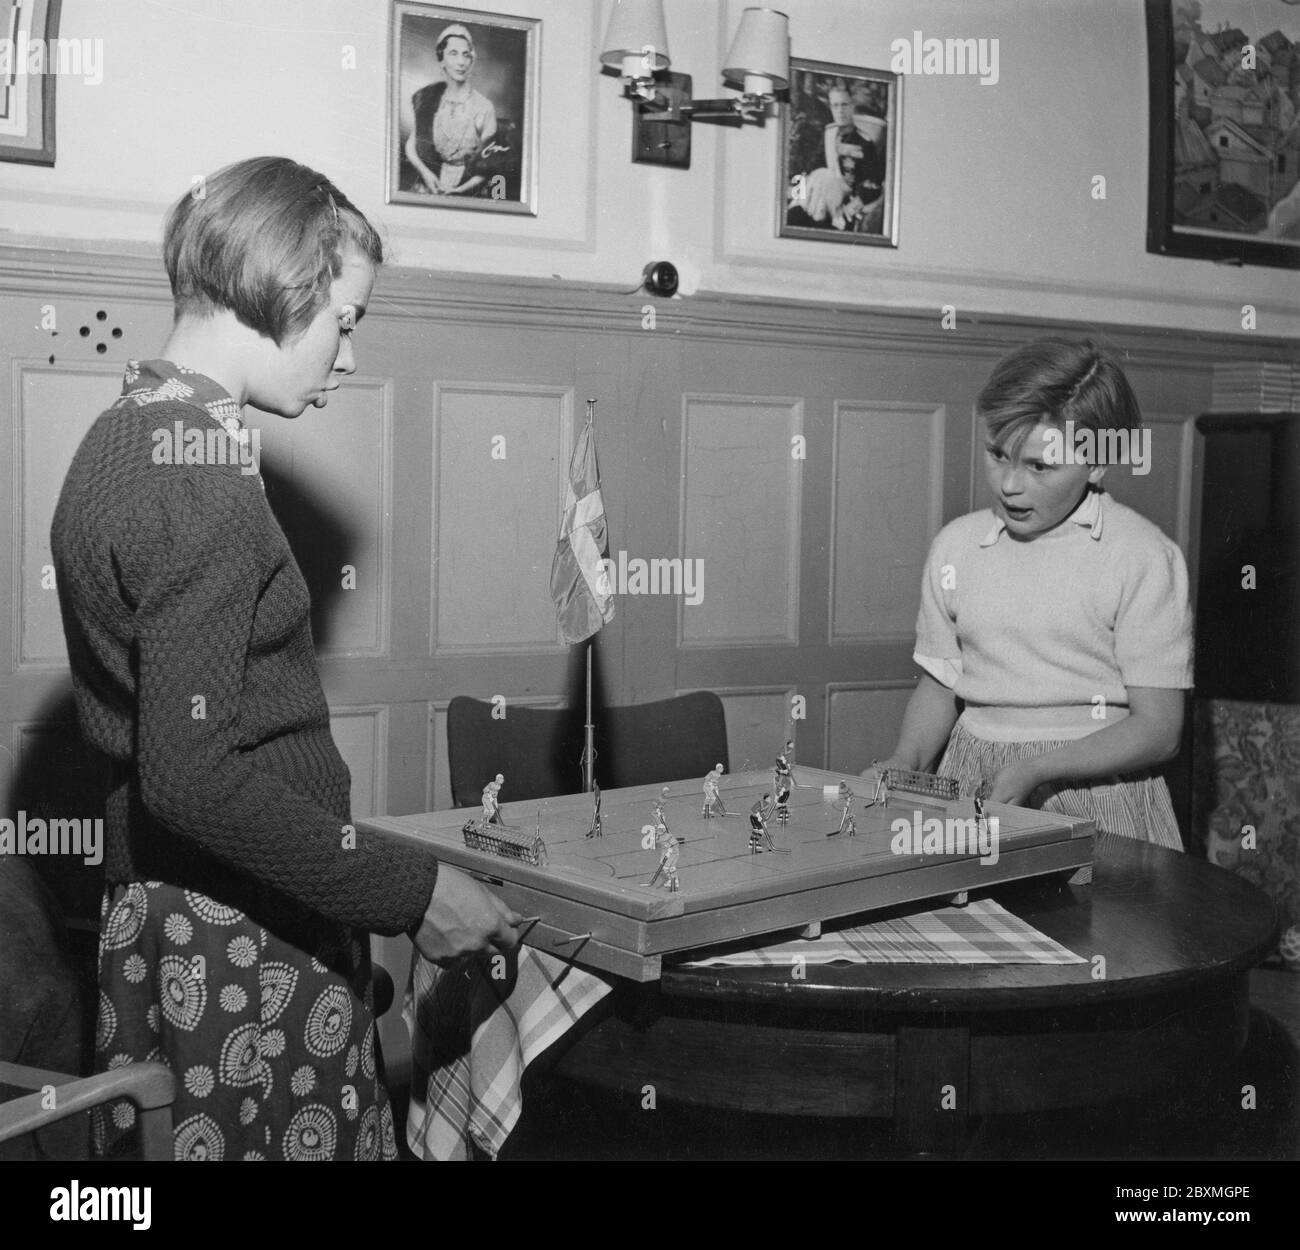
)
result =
(1090, 513)
(158, 381)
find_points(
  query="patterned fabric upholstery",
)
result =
(1247, 774)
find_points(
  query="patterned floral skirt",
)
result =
(1132, 807)
(274, 1050)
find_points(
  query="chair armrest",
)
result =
(148, 1085)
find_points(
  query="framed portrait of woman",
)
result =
(462, 109)
(839, 167)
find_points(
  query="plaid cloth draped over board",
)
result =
(473, 1034)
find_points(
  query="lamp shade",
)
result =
(761, 49)
(634, 26)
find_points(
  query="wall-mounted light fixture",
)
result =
(636, 48)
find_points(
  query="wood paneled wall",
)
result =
(803, 455)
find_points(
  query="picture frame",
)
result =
(1224, 177)
(27, 99)
(849, 194)
(463, 109)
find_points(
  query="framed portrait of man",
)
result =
(839, 166)
(462, 111)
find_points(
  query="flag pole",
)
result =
(589, 745)
(589, 740)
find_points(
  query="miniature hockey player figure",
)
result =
(594, 831)
(667, 862)
(846, 821)
(539, 856)
(713, 805)
(785, 763)
(661, 822)
(782, 787)
(880, 791)
(782, 781)
(759, 837)
(491, 805)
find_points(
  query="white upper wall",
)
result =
(997, 213)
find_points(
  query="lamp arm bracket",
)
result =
(659, 108)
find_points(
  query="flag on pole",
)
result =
(583, 597)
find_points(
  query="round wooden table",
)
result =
(1163, 1000)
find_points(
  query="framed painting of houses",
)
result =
(1225, 130)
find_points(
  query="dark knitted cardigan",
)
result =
(187, 622)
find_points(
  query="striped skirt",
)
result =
(1132, 807)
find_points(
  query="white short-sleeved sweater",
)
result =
(1041, 639)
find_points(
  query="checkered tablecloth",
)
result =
(472, 1035)
(983, 932)
(475, 1029)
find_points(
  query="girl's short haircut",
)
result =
(264, 238)
(1056, 380)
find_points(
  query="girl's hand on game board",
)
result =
(463, 919)
(1014, 783)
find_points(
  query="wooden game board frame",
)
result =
(634, 926)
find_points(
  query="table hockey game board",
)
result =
(595, 905)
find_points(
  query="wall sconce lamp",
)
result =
(636, 48)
